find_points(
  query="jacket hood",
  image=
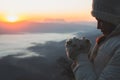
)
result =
(107, 10)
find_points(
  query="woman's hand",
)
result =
(76, 46)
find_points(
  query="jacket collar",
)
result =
(103, 38)
(115, 32)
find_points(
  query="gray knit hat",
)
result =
(107, 10)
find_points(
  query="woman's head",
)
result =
(107, 13)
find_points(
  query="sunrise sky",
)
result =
(45, 10)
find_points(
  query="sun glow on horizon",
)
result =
(13, 23)
(12, 18)
(40, 10)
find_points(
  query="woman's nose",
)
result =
(99, 25)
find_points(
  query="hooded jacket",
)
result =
(104, 60)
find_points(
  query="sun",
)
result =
(12, 18)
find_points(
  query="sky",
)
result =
(45, 10)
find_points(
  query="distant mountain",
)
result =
(55, 27)
(91, 35)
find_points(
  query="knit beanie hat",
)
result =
(107, 10)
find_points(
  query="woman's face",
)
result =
(105, 27)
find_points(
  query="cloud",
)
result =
(54, 20)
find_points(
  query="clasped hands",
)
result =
(76, 46)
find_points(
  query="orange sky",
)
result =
(42, 10)
(16, 13)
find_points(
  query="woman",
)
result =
(103, 62)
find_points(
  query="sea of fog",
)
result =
(18, 43)
(34, 57)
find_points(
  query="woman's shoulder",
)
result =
(111, 44)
